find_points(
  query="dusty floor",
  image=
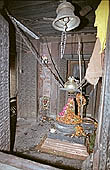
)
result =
(29, 134)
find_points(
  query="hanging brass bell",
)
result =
(66, 19)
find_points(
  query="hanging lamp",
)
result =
(71, 85)
(66, 19)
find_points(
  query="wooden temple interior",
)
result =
(55, 84)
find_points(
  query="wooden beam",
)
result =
(25, 4)
(49, 12)
(16, 163)
(35, 9)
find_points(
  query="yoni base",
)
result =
(66, 137)
(70, 129)
(64, 128)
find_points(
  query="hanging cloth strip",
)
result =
(101, 22)
(95, 66)
(94, 70)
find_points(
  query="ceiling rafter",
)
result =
(38, 15)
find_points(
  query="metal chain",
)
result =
(80, 73)
(63, 43)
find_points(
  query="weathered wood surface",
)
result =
(105, 128)
(35, 14)
(66, 149)
(102, 154)
(20, 163)
(4, 85)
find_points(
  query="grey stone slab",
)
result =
(7, 167)
(68, 138)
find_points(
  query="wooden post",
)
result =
(101, 159)
(4, 86)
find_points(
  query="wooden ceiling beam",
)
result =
(34, 7)
(25, 4)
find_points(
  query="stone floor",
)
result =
(29, 134)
